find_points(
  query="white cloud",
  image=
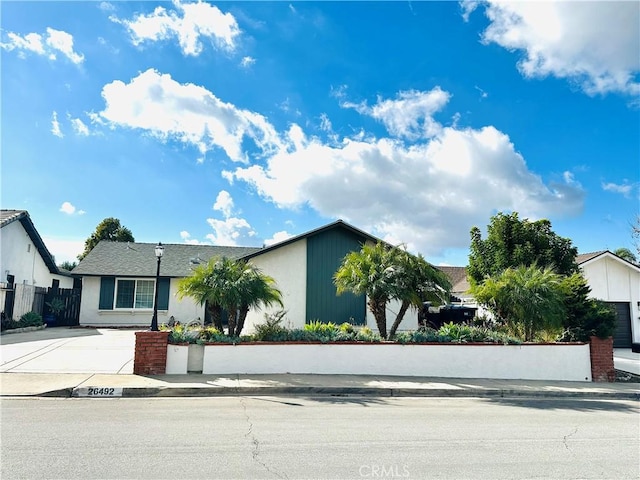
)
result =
(68, 208)
(230, 232)
(186, 237)
(224, 203)
(325, 123)
(50, 44)
(594, 44)
(190, 23)
(624, 188)
(278, 237)
(106, 7)
(79, 126)
(186, 112)
(55, 125)
(426, 187)
(427, 194)
(409, 115)
(246, 62)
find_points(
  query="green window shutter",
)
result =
(163, 293)
(107, 288)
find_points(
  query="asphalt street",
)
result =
(319, 437)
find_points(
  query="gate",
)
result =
(69, 316)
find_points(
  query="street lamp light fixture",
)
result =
(159, 251)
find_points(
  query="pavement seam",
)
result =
(47, 348)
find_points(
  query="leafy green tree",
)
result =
(234, 286)
(512, 242)
(585, 316)
(67, 265)
(107, 229)
(385, 273)
(527, 299)
(626, 254)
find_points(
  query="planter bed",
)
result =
(568, 361)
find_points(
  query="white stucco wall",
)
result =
(529, 362)
(409, 322)
(614, 281)
(183, 311)
(288, 266)
(21, 258)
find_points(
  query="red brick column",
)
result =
(150, 356)
(602, 369)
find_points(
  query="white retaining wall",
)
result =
(528, 362)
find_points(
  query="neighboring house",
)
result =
(23, 254)
(611, 278)
(459, 283)
(118, 280)
(615, 281)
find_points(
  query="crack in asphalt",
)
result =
(255, 452)
(566, 437)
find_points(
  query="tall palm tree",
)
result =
(235, 286)
(417, 281)
(259, 290)
(371, 272)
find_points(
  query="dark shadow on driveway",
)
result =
(47, 334)
(576, 404)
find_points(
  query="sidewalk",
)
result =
(99, 362)
(197, 385)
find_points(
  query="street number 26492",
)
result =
(100, 392)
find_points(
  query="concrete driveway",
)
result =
(68, 350)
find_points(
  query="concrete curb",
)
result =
(157, 392)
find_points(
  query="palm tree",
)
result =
(235, 286)
(370, 272)
(528, 299)
(417, 281)
(258, 290)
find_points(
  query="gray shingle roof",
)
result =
(139, 259)
(458, 278)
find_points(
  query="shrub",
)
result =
(598, 320)
(184, 333)
(324, 332)
(365, 334)
(30, 319)
(213, 335)
(271, 330)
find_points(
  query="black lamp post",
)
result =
(154, 321)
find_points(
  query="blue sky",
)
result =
(246, 123)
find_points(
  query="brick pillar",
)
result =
(602, 369)
(150, 356)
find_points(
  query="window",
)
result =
(134, 293)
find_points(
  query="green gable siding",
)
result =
(325, 252)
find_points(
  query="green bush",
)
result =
(598, 319)
(31, 319)
(184, 333)
(271, 330)
(213, 335)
